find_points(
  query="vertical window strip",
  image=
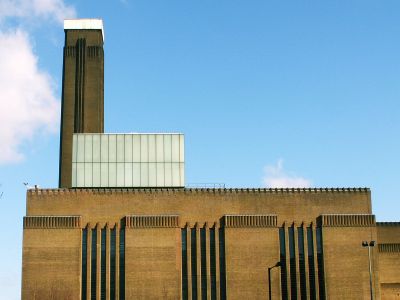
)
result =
(302, 265)
(293, 286)
(320, 260)
(112, 262)
(84, 264)
(193, 260)
(282, 247)
(184, 265)
(203, 259)
(311, 266)
(94, 265)
(222, 267)
(122, 264)
(213, 265)
(103, 265)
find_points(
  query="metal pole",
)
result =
(269, 284)
(370, 272)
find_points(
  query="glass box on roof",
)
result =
(128, 160)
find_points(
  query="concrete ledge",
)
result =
(159, 221)
(347, 220)
(52, 222)
(235, 221)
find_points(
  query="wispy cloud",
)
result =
(36, 9)
(28, 101)
(276, 177)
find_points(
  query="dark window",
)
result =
(184, 265)
(293, 287)
(213, 265)
(311, 266)
(112, 262)
(282, 247)
(103, 264)
(203, 263)
(94, 264)
(122, 264)
(84, 263)
(320, 260)
(222, 268)
(302, 264)
(193, 262)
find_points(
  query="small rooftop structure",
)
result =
(95, 24)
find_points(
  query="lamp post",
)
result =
(278, 264)
(369, 245)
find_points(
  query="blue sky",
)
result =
(268, 93)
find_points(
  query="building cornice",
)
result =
(195, 191)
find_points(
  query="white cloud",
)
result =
(33, 9)
(28, 105)
(276, 177)
(27, 101)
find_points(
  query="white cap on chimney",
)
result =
(84, 24)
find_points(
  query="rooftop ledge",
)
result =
(96, 24)
(167, 190)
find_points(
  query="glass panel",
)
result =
(80, 174)
(144, 151)
(112, 262)
(302, 264)
(136, 148)
(282, 252)
(122, 264)
(84, 264)
(128, 174)
(203, 261)
(128, 148)
(144, 174)
(293, 277)
(94, 264)
(213, 262)
(88, 174)
(80, 154)
(160, 147)
(112, 174)
(181, 148)
(104, 174)
(120, 174)
(160, 174)
(168, 174)
(88, 148)
(193, 249)
(175, 148)
(311, 264)
(184, 265)
(175, 174)
(182, 173)
(104, 147)
(222, 264)
(73, 174)
(120, 148)
(96, 148)
(136, 174)
(152, 148)
(96, 175)
(152, 174)
(103, 265)
(167, 148)
(74, 147)
(112, 148)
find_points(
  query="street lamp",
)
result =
(278, 264)
(369, 245)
